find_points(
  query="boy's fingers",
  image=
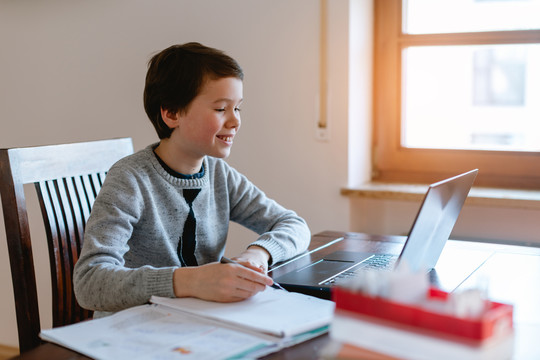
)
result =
(254, 276)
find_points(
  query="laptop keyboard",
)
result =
(379, 262)
(376, 262)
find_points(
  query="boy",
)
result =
(160, 221)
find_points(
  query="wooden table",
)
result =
(513, 273)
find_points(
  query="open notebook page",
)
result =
(276, 312)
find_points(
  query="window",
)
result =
(457, 87)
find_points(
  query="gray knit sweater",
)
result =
(131, 238)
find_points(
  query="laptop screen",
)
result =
(435, 220)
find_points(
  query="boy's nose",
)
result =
(234, 120)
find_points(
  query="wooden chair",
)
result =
(67, 178)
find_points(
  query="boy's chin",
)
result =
(221, 155)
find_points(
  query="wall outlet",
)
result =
(322, 133)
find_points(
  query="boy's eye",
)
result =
(236, 109)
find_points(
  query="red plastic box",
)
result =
(495, 321)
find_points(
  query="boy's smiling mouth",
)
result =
(227, 138)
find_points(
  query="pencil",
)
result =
(226, 260)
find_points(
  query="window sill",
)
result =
(523, 199)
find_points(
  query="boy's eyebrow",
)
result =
(228, 100)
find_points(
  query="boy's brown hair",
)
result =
(175, 77)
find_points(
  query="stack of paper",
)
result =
(200, 329)
(405, 343)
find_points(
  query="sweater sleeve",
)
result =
(281, 232)
(102, 282)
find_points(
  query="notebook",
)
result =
(431, 228)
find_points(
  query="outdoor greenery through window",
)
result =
(457, 86)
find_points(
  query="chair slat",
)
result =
(74, 218)
(96, 183)
(76, 213)
(81, 211)
(55, 229)
(88, 190)
(85, 206)
(69, 246)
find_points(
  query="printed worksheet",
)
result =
(153, 332)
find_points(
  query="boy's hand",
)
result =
(219, 282)
(255, 257)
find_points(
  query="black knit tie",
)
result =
(186, 245)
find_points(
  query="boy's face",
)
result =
(212, 120)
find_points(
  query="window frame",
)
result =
(395, 163)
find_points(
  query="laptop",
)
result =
(431, 228)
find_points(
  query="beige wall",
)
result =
(73, 70)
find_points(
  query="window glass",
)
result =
(480, 97)
(454, 16)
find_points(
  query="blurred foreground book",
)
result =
(371, 327)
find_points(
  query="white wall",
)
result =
(73, 70)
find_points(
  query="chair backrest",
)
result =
(67, 178)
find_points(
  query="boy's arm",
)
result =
(282, 233)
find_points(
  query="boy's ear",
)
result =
(169, 118)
